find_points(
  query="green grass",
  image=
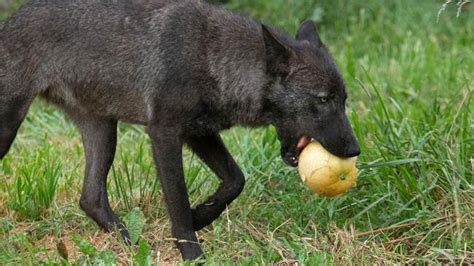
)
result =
(410, 81)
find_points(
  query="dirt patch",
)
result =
(64, 246)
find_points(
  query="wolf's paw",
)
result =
(204, 214)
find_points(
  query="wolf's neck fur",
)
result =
(236, 58)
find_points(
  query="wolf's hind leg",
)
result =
(213, 152)
(99, 137)
(12, 112)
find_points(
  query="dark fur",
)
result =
(184, 69)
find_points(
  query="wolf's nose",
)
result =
(352, 151)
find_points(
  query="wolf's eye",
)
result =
(323, 99)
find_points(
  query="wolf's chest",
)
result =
(206, 122)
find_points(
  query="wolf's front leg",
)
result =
(167, 153)
(99, 136)
(213, 152)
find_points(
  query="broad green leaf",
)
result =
(143, 256)
(106, 257)
(85, 247)
(135, 220)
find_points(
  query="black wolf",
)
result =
(184, 69)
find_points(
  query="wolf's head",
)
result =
(307, 96)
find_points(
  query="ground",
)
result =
(409, 75)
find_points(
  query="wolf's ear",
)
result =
(277, 52)
(308, 32)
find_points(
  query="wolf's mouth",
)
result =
(302, 143)
(292, 153)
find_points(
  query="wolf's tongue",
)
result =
(303, 141)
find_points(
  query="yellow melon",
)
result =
(324, 173)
